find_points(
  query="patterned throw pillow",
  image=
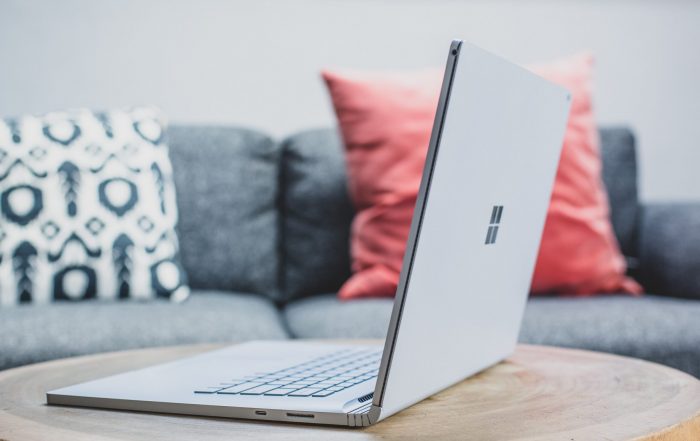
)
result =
(87, 208)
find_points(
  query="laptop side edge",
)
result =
(375, 413)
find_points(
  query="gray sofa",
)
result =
(264, 231)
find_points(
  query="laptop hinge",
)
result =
(374, 414)
(359, 416)
(364, 416)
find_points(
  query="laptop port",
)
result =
(300, 415)
(260, 412)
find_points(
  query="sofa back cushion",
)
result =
(620, 178)
(226, 181)
(317, 212)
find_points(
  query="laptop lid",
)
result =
(476, 228)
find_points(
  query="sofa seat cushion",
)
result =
(325, 316)
(37, 333)
(659, 329)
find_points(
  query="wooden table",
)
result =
(540, 393)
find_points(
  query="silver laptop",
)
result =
(466, 273)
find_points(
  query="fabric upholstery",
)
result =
(385, 119)
(36, 333)
(325, 316)
(88, 208)
(653, 328)
(618, 151)
(226, 180)
(579, 253)
(316, 214)
(669, 261)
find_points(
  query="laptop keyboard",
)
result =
(320, 377)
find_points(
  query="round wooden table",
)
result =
(540, 393)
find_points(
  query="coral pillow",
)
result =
(579, 253)
(386, 119)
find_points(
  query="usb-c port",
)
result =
(260, 412)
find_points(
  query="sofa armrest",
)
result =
(669, 249)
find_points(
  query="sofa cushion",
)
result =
(654, 328)
(325, 316)
(316, 214)
(669, 261)
(620, 178)
(226, 180)
(37, 333)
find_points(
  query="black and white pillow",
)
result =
(87, 208)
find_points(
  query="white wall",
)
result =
(256, 62)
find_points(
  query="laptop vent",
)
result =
(366, 397)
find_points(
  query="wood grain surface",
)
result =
(540, 393)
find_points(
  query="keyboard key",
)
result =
(324, 393)
(267, 378)
(297, 386)
(318, 377)
(239, 388)
(209, 390)
(306, 392)
(259, 390)
(289, 379)
(280, 391)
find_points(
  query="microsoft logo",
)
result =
(493, 225)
